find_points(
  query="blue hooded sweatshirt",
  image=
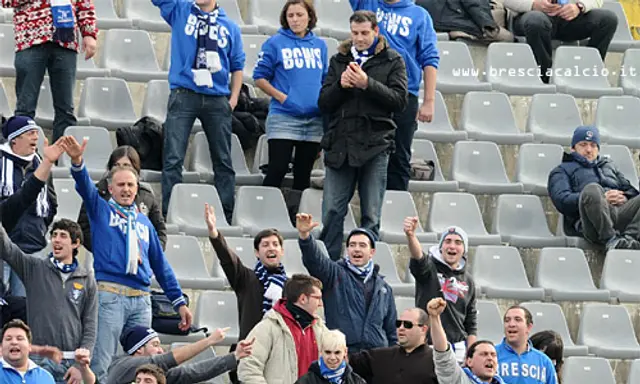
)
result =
(409, 30)
(532, 367)
(34, 374)
(295, 66)
(181, 16)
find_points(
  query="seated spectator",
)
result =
(127, 156)
(357, 299)
(481, 362)
(288, 339)
(540, 21)
(411, 361)
(150, 374)
(142, 346)
(71, 307)
(332, 366)
(17, 368)
(595, 198)
(518, 361)
(294, 83)
(550, 342)
(443, 273)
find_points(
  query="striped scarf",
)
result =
(361, 57)
(267, 278)
(62, 267)
(133, 244)
(7, 187)
(364, 273)
(334, 376)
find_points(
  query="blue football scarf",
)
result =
(496, 379)
(133, 245)
(332, 375)
(278, 278)
(361, 57)
(62, 267)
(362, 272)
(63, 20)
(207, 59)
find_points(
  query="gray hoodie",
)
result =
(60, 313)
(449, 371)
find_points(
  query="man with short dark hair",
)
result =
(150, 374)
(288, 339)
(17, 368)
(366, 86)
(519, 362)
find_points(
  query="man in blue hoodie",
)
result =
(16, 367)
(126, 254)
(409, 30)
(206, 48)
(595, 198)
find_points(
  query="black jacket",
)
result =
(313, 376)
(470, 16)
(146, 202)
(393, 365)
(361, 120)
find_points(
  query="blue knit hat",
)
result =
(136, 337)
(366, 232)
(456, 231)
(585, 133)
(17, 125)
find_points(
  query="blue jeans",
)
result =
(56, 370)
(215, 114)
(339, 187)
(12, 283)
(31, 65)
(399, 171)
(116, 314)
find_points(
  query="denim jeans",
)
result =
(339, 187)
(399, 170)
(56, 370)
(12, 282)
(31, 65)
(116, 314)
(214, 112)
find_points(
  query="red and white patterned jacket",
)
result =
(33, 22)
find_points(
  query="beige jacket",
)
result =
(274, 359)
(520, 6)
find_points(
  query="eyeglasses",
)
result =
(406, 324)
(319, 297)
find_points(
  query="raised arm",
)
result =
(410, 227)
(316, 262)
(20, 262)
(84, 184)
(447, 369)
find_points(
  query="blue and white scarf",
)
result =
(496, 379)
(7, 187)
(62, 267)
(277, 278)
(207, 60)
(63, 20)
(364, 273)
(361, 57)
(332, 375)
(133, 244)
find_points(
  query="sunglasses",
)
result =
(406, 324)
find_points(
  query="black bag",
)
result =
(165, 319)
(422, 170)
(146, 137)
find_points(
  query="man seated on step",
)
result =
(597, 201)
(142, 346)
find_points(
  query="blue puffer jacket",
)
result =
(343, 296)
(568, 179)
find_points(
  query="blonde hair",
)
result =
(333, 340)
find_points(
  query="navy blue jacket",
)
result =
(568, 179)
(345, 306)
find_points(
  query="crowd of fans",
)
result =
(360, 109)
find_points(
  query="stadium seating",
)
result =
(587, 370)
(608, 332)
(423, 150)
(96, 155)
(629, 78)
(107, 16)
(262, 207)
(456, 72)
(578, 71)
(145, 16)
(490, 325)
(107, 103)
(440, 128)
(535, 161)
(552, 118)
(7, 47)
(385, 260)
(252, 45)
(5, 108)
(333, 18)
(311, 203)
(616, 120)
(130, 55)
(397, 205)
(620, 275)
(622, 39)
(233, 12)
(621, 156)
(69, 202)
(549, 316)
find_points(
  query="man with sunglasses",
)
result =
(411, 361)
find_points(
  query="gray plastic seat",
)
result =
(574, 241)
(218, 309)
(397, 205)
(233, 12)
(440, 128)
(243, 247)
(499, 272)
(96, 156)
(333, 18)
(490, 325)
(634, 372)
(252, 45)
(258, 208)
(622, 39)
(553, 118)
(549, 316)
(332, 46)
(292, 259)
(512, 69)
(587, 59)
(144, 15)
(265, 14)
(69, 202)
(88, 68)
(186, 259)
(629, 79)
(587, 370)
(385, 260)
(155, 102)
(487, 116)
(186, 209)
(311, 203)
(608, 332)
(461, 209)
(107, 103)
(535, 162)
(530, 233)
(478, 167)
(403, 303)
(620, 275)
(7, 47)
(129, 55)
(5, 108)
(617, 120)
(107, 18)
(423, 149)
(622, 158)
(456, 71)
(551, 274)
